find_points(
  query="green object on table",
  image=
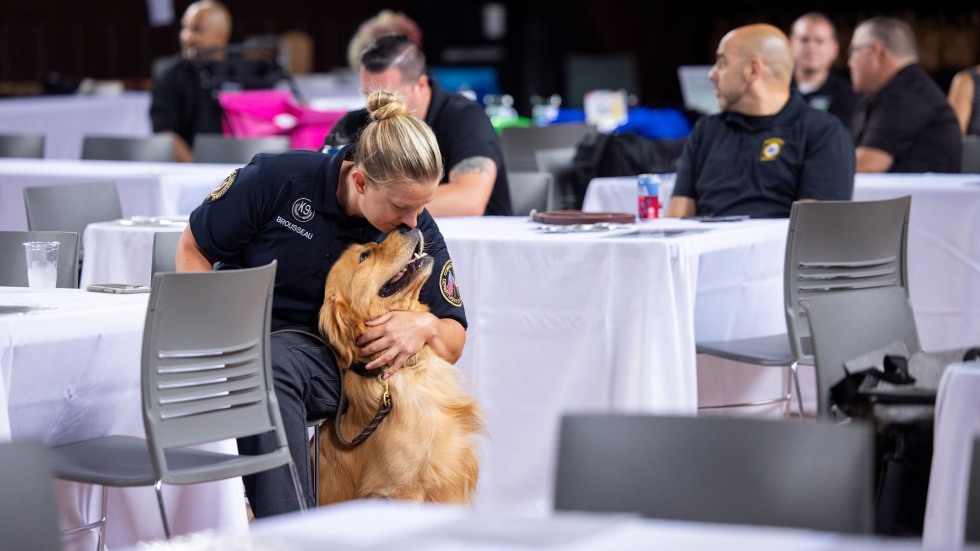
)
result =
(499, 122)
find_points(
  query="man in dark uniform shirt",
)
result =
(183, 103)
(815, 49)
(904, 122)
(475, 182)
(766, 149)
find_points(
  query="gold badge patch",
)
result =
(447, 284)
(771, 149)
(223, 188)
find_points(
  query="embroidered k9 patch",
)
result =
(222, 188)
(447, 284)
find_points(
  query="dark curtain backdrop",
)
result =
(66, 40)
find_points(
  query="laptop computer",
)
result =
(697, 90)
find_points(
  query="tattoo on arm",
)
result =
(469, 165)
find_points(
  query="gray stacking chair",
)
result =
(736, 470)
(558, 162)
(971, 155)
(71, 207)
(158, 148)
(972, 523)
(26, 146)
(518, 144)
(164, 250)
(832, 246)
(529, 191)
(216, 148)
(13, 266)
(28, 514)
(206, 378)
(845, 325)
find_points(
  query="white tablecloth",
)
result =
(72, 371)
(957, 424)
(564, 322)
(397, 525)
(145, 189)
(65, 120)
(561, 322)
(119, 253)
(944, 248)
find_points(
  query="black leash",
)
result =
(383, 410)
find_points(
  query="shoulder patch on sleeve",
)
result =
(447, 285)
(223, 187)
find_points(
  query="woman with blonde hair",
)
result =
(303, 208)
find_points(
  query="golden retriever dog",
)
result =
(425, 448)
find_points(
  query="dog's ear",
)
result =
(336, 324)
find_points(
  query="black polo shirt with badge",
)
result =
(462, 129)
(758, 166)
(284, 207)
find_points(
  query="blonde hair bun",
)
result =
(396, 146)
(383, 104)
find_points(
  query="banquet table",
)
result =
(70, 368)
(145, 189)
(564, 321)
(943, 248)
(66, 119)
(957, 424)
(381, 525)
(600, 321)
(121, 251)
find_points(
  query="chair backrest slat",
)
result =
(718, 469)
(158, 148)
(164, 251)
(529, 191)
(518, 144)
(217, 148)
(24, 146)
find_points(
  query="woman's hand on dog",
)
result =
(398, 336)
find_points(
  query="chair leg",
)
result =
(105, 509)
(315, 460)
(100, 543)
(299, 487)
(163, 510)
(315, 490)
(796, 384)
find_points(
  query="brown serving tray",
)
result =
(566, 217)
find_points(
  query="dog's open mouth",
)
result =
(406, 274)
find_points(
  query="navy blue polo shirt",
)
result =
(284, 207)
(758, 166)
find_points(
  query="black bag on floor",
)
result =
(897, 392)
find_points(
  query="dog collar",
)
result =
(361, 368)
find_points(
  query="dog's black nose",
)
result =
(404, 228)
